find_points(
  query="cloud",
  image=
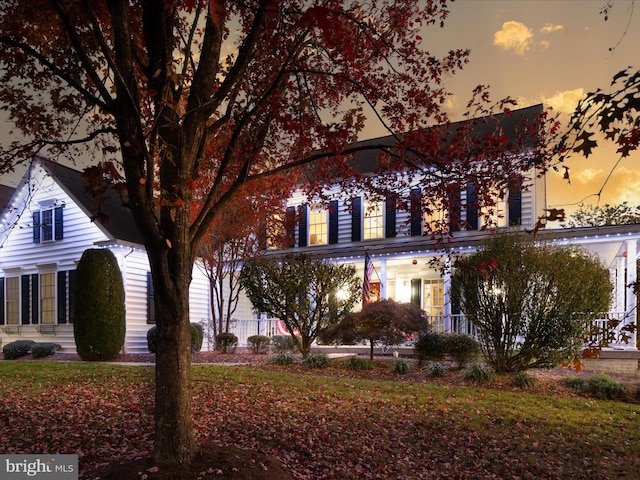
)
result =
(587, 175)
(549, 28)
(565, 102)
(514, 36)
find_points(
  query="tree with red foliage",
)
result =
(244, 90)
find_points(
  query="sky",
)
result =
(550, 52)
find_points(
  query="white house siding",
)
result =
(19, 255)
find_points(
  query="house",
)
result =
(408, 260)
(45, 227)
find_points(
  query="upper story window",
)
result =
(318, 225)
(48, 225)
(495, 215)
(373, 219)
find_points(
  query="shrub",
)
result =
(282, 343)
(401, 366)
(99, 323)
(44, 349)
(197, 335)
(461, 347)
(317, 360)
(17, 349)
(524, 380)
(151, 340)
(258, 343)
(281, 358)
(358, 363)
(599, 386)
(437, 369)
(477, 373)
(430, 346)
(226, 342)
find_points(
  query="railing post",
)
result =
(632, 252)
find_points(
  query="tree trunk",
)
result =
(174, 439)
(371, 343)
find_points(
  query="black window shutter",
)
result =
(26, 311)
(289, 225)
(515, 202)
(58, 223)
(416, 287)
(35, 299)
(36, 227)
(151, 302)
(1, 301)
(415, 198)
(472, 207)
(333, 221)
(356, 219)
(72, 294)
(62, 297)
(302, 226)
(390, 220)
(454, 208)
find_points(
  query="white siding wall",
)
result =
(20, 256)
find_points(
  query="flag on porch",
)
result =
(366, 285)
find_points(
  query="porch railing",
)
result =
(457, 323)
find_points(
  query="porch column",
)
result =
(447, 293)
(620, 284)
(632, 260)
(383, 279)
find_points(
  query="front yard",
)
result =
(327, 424)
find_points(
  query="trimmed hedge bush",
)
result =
(430, 346)
(258, 343)
(599, 386)
(99, 323)
(197, 336)
(282, 343)
(463, 348)
(226, 343)
(44, 349)
(434, 346)
(17, 349)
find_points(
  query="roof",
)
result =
(366, 160)
(117, 221)
(6, 192)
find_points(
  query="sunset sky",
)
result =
(550, 52)
(543, 51)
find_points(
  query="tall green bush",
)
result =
(531, 303)
(99, 323)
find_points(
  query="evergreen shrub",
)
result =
(226, 342)
(44, 349)
(99, 323)
(17, 349)
(258, 343)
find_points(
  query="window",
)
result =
(318, 227)
(12, 299)
(373, 224)
(47, 298)
(495, 215)
(433, 297)
(48, 225)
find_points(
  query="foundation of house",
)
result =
(615, 362)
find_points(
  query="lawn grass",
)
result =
(323, 427)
